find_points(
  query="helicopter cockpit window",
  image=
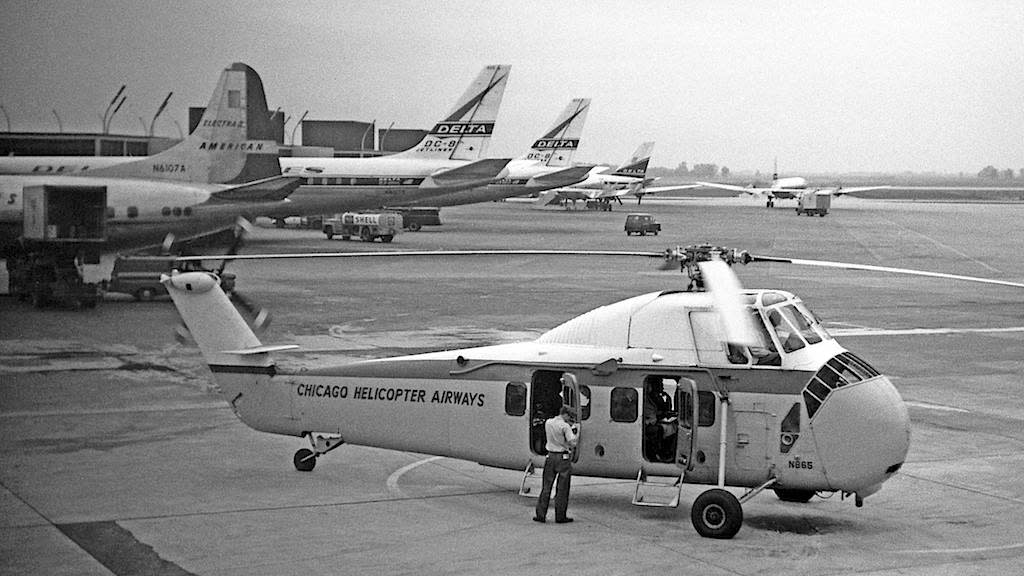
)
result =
(803, 325)
(841, 370)
(813, 320)
(788, 335)
(764, 353)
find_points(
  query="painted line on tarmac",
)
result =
(1003, 548)
(392, 482)
(920, 331)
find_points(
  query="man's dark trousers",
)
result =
(556, 465)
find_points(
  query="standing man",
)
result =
(562, 437)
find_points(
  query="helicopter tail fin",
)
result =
(223, 336)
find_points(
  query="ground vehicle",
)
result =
(416, 217)
(812, 203)
(641, 224)
(63, 229)
(367, 227)
(140, 275)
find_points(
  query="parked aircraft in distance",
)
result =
(224, 169)
(547, 165)
(604, 184)
(450, 157)
(789, 188)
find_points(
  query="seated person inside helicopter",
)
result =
(660, 421)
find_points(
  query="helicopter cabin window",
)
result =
(584, 402)
(515, 398)
(623, 405)
(705, 409)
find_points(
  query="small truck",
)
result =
(641, 225)
(367, 227)
(812, 203)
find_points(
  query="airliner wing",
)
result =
(734, 188)
(273, 189)
(841, 191)
(473, 174)
(656, 189)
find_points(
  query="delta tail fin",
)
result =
(233, 143)
(636, 167)
(558, 145)
(465, 132)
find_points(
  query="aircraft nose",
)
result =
(862, 434)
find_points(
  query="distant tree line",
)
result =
(992, 173)
(702, 171)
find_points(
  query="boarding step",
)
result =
(663, 492)
(533, 478)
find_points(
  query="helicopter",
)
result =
(762, 396)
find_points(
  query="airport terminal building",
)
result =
(318, 138)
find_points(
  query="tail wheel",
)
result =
(304, 460)
(717, 514)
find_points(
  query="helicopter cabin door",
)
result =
(545, 402)
(549, 391)
(571, 398)
(686, 440)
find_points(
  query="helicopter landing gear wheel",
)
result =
(304, 460)
(716, 514)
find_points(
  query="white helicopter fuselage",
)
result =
(812, 418)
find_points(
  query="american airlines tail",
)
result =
(558, 145)
(465, 132)
(233, 143)
(636, 167)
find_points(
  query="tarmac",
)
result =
(118, 457)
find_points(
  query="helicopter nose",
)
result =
(862, 434)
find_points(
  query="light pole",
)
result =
(105, 118)
(152, 123)
(362, 141)
(301, 118)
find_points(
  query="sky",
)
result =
(867, 86)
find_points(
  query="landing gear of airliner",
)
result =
(770, 203)
(305, 459)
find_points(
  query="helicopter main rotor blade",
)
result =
(726, 292)
(396, 254)
(868, 267)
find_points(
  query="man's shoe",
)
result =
(539, 519)
(561, 520)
